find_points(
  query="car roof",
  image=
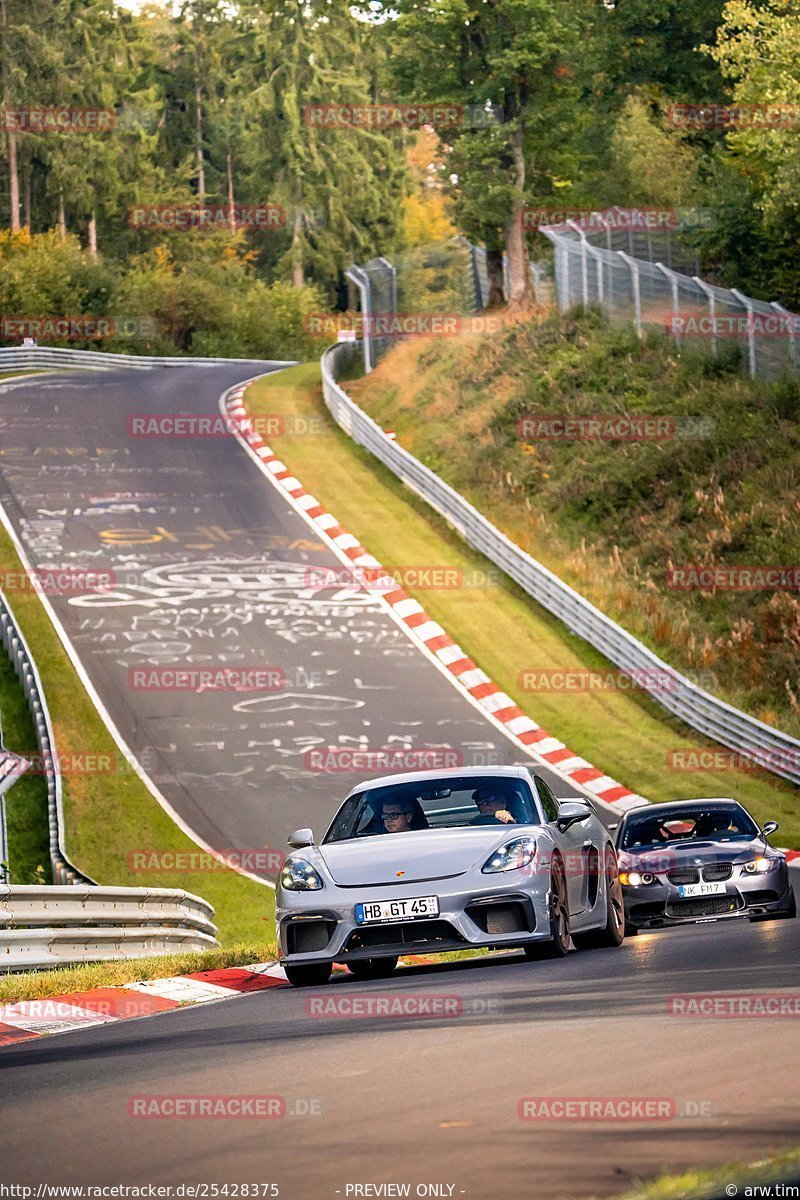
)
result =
(677, 805)
(510, 772)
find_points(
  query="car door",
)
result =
(575, 845)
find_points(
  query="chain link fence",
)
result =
(445, 279)
(650, 277)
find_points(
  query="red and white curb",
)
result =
(107, 1005)
(422, 629)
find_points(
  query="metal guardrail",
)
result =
(64, 871)
(769, 747)
(36, 358)
(53, 926)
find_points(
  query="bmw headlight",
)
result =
(298, 875)
(519, 852)
(636, 878)
(760, 866)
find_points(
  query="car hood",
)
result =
(422, 854)
(665, 858)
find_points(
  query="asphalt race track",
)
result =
(212, 566)
(429, 1099)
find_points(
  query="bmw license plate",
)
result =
(373, 912)
(701, 889)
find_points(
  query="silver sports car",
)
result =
(447, 860)
(699, 860)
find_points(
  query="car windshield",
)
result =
(455, 802)
(717, 822)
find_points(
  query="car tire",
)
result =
(372, 968)
(560, 937)
(309, 975)
(612, 933)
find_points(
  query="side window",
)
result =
(549, 802)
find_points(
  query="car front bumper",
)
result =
(321, 926)
(656, 905)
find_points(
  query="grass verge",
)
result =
(711, 1184)
(110, 816)
(626, 735)
(38, 985)
(26, 801)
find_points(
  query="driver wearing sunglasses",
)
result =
(491, 808)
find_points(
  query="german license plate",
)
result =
(374, 912)
(688, 890)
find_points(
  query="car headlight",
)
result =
(760, 866)
(298, 875)
(635, 878)
(514, 854)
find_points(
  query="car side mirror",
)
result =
(301, 838)
(572, 812)
(769, 828)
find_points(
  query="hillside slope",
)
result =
(618, 518)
